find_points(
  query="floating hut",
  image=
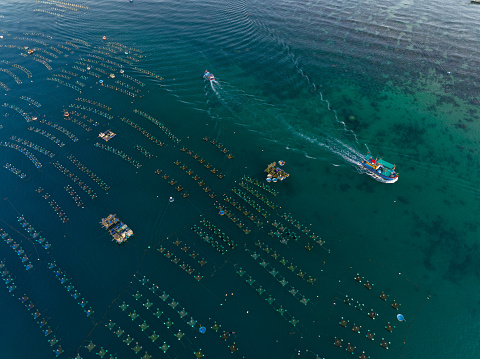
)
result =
(118, 230)
(107, 135)
(276, 173)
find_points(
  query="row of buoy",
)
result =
(66, 48)
(15, 170)
(148, 303)
(223, 211)
(121, 47)
(66, 283)
(210, 240)
(196, 178)
(175, 305)
(138, 82)
(42, 323)
(94, 103)
(74, 74)
(39, 34)
(218, 233)
(182, 265)
(91, 109)
(74, 195)
(142, 131)
(91, 72)
(112, 69)
(258, 195)
(369, 334)
(76, 180)
(47, 135)
(146, 328)
(17, 109)
(67, 84)
(159, 124)
(118, 331)
(15, 77)
(62, 76)
(172, 182)
(224, 336)
(303, 229)
(58, 210)
(283, 236)
(395, 305)
(262, 185)
(241, 209)
(30, 40)
(279, 278)
(102, 352)
(24, 151)
(118, 89)
(219, 146)
(119, 153)
(7, 278)
(352, 302)
(268, 298)
(127, 86)
(33, 146)
(29, 75)
(78, 68)
(72, 45)
(81, 84)
(43, 61)
(63, 130)
(202, 161)
(202, 261)
(5, 87)
(17, 248)
(38, 56)
(78, 122)
(28, 99)
(80, 41)
(288, 264)
(56, 50)
(144, 152)
(89, 172)
(251, 202)
(149, 73)
(31, 231)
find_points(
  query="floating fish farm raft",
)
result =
(119, 230)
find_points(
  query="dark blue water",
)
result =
(308, 83)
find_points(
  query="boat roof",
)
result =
(381, 162)
(386, 164)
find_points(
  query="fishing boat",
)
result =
(380, 168)
(208, 76)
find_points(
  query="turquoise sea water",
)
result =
(310, 83)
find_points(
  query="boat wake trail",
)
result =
(336, 147)
(283, 124)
